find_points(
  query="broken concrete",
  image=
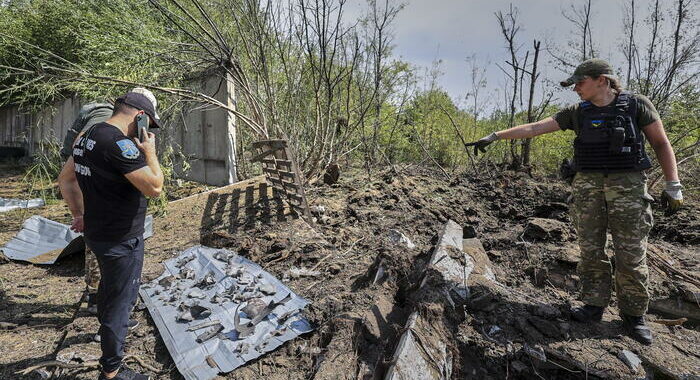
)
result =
(414, 359)
(397, 237)
(449, 259)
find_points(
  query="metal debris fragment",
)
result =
(166, 282)
(267, 289)
(206, 281)
(212, 332)
(254, 307)
(196, 293)
(187, 274)
(7, 204)
(203, 325)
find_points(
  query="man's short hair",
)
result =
(121, 107)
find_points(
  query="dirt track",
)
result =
(358, 322)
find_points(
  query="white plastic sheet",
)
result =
(226, 351)
(44, 241)
(7, 204)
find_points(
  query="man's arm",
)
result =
(148, 179)
(70, 190)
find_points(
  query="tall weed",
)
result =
(40, 177)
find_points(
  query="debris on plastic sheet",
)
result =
(7, 204)
(237, 313)
(210, 333)
(44, 241)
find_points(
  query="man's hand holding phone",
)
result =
(145, 141)
(147, 144)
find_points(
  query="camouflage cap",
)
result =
(590, 68)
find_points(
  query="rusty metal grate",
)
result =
(282, 173)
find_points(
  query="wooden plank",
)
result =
(298, 208)
(278, 162)
(277, 144)
(284, 184)
(280, 173)
(300, 184)
(262, 155)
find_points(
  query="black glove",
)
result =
(482, 143)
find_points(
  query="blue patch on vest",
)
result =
(129, 149)
(597, 123)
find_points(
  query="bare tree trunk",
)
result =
(509, 29)
(530, 116)
(651, 62)
(586, 29)
(630, 42)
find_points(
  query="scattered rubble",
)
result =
(366, 291)
(397, 237)
(200, 355)
(629, 358)
(546, 229)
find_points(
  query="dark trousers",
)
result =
(120, 264)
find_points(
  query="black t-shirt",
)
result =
(114, 208)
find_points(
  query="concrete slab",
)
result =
(450, 260)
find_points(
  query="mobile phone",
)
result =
(142, 122)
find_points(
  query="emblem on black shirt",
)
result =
(129, 149)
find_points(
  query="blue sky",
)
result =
(452, 30)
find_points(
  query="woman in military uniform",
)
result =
(609, 188)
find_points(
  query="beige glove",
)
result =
(672, 197)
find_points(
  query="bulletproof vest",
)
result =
(609, 140)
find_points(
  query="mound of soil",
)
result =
(363, 285)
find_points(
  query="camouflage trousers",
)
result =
(92, 271)
(621, 204)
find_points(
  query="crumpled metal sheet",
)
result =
(7, 204)
(44, 241)
(226, 351)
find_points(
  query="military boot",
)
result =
(587, 313)
(637, 328)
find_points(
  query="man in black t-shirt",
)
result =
(104, 183)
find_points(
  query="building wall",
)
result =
(205, 136)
